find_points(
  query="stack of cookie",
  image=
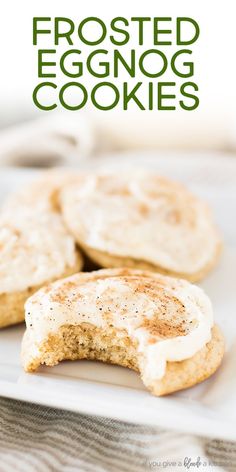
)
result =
(149, 234)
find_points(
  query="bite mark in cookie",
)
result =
(137, 319)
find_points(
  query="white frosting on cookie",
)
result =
(143, 217)
(169, 319)
(35, 246)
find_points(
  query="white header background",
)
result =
(212, 125)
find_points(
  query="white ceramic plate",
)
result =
(96, 388)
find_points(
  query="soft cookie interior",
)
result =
(86, 341)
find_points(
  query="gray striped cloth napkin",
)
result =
(34, 438)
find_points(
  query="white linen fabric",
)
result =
(34, 438)
(58, 139)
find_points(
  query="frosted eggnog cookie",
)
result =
(141, 221)
(159, 326)
(35, 248)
